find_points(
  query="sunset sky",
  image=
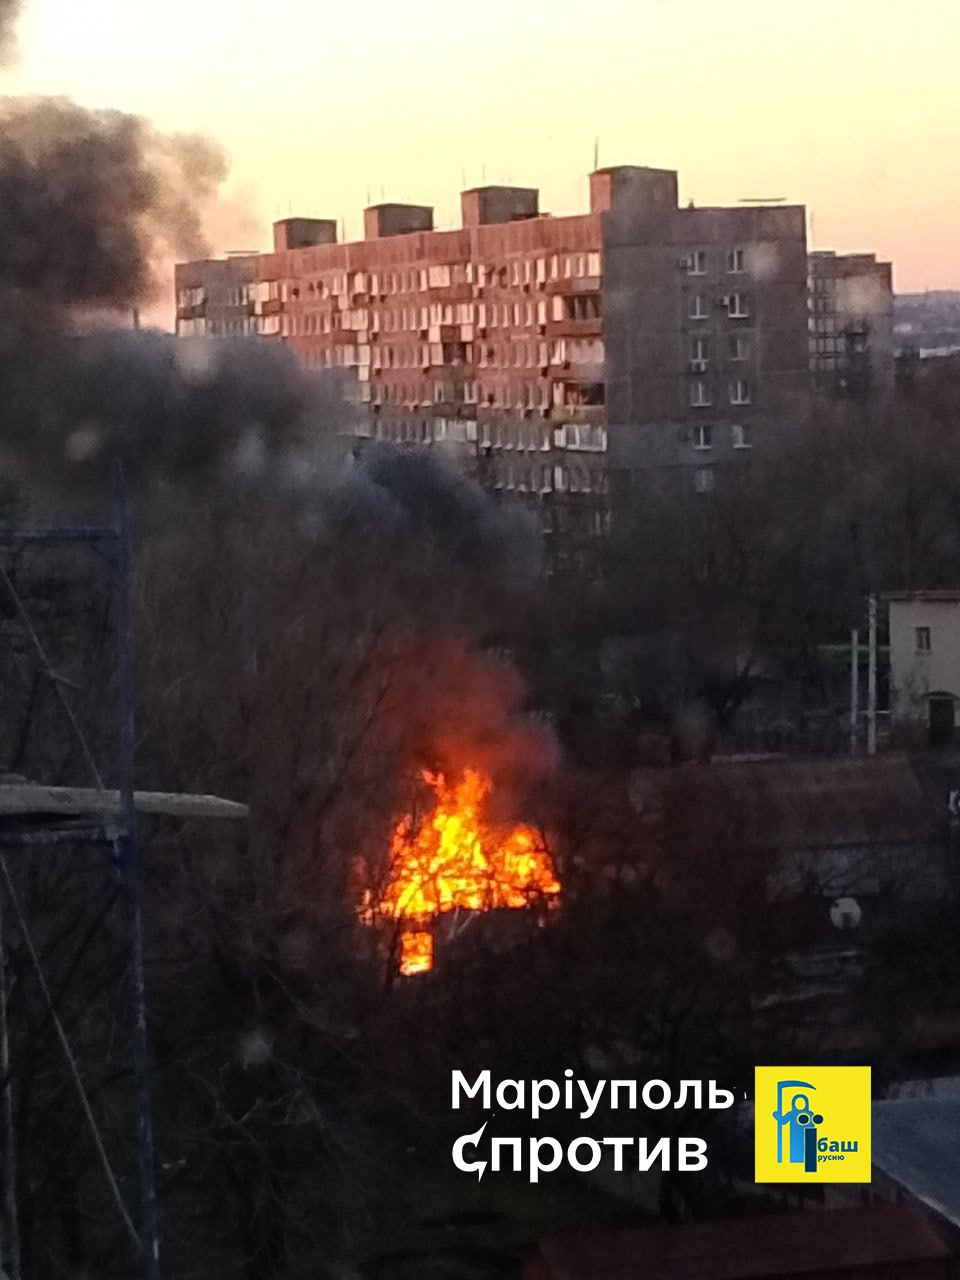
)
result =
(849, 106)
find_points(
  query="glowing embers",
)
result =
(453, 859)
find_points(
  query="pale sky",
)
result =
(849, 106)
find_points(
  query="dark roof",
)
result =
(819, 803)
(916, 1142)
(781, 1245)
(921, 595)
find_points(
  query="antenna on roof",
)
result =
(762, 200)
(368, 193)
(596, 153)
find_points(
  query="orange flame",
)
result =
(453, 859)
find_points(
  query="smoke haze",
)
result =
(9, 13)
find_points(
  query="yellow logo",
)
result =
(812, 1124)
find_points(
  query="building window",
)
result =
(739, 348)
(735, 261)
(697, 262)
(698, 307)
(740, 392)
(704, 480)
(740, 435)
(698, 353)
(703, 437)
(700, 393)
(738, 307)
(923, 639)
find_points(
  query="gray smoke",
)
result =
(174, 411)
(91, 200)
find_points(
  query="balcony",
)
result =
(449, 293)
(592, 413)
(575, 328)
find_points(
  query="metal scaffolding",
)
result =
(33, 816)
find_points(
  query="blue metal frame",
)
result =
(116, 541)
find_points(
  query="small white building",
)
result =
(924, 663)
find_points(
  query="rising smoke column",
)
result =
(90, 200)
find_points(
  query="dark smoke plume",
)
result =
(90, 200)
(173, 410)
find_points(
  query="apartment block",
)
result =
(850, 297)
(547, 351)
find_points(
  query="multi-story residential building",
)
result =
(549, 350)
(212, 296)
(851, 326)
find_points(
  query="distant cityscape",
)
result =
(928, 323)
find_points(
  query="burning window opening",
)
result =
(454, 859)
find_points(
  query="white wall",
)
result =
(915, 674)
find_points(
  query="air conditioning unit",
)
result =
(725, 300)
(698, 366)
(541, 328)
(683, 264)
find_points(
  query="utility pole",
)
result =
(854, 690)
(130, 872)
(872, 675)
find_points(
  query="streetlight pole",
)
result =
(872, 675)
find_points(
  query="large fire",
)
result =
(453, 859)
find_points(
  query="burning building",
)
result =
(451, 859)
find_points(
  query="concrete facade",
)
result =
(551, 350)
(851, 326)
